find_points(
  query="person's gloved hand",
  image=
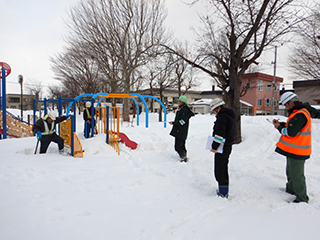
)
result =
(39, 135)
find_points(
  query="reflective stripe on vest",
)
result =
(300, 144)
(88, 113)
(46, 127)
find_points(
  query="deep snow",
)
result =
(148, 194)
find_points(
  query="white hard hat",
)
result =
(52, 115)
(216, 103)
(88, 104)
(287, 96)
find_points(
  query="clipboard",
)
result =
(209, 144)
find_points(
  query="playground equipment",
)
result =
(124, 138)
(66, 128)
(5, 71)
(9, 124)
(15, 127)
(113, 136)
(70, 138)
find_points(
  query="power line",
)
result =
(30, 84)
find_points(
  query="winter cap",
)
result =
(52, 115)
(288, 96)
(216, 103)
(183, 99)
(88, 104)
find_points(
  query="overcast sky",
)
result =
(31, 31)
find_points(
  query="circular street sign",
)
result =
(6, 67)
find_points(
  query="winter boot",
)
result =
(223, 191)
(183, 157)
(63, 152)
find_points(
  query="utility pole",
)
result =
(274, 79)
(20, 79)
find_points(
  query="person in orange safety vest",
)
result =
(295, 144)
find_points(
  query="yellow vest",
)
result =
(88, 113)
(47, 131)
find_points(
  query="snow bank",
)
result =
(148, 194)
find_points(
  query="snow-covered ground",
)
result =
(148, 194)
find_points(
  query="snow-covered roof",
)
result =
(246, 103)
(203, 101)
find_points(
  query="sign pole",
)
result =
(20, 80)
(4, 103)
(5, 71)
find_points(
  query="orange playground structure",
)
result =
(15, 128)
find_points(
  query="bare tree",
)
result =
(304, 62)
(77, 71)
(55, 92)
(35, 88)
(162, 77)
(185, 77)
(121, 36)
(234, 37)
(183, 73)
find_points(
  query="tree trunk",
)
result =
(126, 107)
(233, 101)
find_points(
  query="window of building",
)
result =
(259, 103)
(260, 85)
(175, 100)
(165, 100)
(267, 102)
(14, 100)
(268, 87)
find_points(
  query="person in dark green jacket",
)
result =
(295, 143)
(180, 127)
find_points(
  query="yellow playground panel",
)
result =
(101, 119)
(114, 124)
(15, 127)
(114, 134)
(65, 133)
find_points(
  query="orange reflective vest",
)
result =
(300, 144)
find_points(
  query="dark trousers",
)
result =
(46, 140)
(180, 147)
(87, 129)
(296, 181)
(221, 161)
